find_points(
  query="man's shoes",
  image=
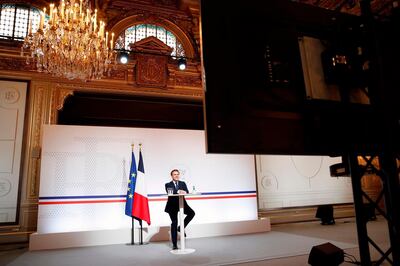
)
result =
(174, 247)
(179, 230)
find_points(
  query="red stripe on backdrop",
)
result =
(80, 202)
(141, 208)
(123, 200)
(224, 197)
(212, 197)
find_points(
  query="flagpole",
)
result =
(133, 220)
(141, 232)
(140, 220)
(133, 232)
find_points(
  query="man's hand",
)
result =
(181, 192)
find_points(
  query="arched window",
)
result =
(141, 31)
(14, 21)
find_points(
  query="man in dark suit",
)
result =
(172, 207)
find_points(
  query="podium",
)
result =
(182, 250)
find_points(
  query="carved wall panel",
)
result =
(118, 73)
(188, 80)
(37, 107)
(12, 113)
(38, 110)
(29, 218)
(12, 63)
(151, 70)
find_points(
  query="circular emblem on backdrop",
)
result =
(10, 96)
(269, 181)
(5, 187)
(183, 170)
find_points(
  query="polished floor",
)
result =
(344, 230)
(287, 244)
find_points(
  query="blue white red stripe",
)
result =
(81, 199)
(50, 200)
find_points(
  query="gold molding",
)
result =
(58, 96)
(117, 85)
(28, 220)
(38, 94)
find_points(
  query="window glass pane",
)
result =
(21, 23)
(18, 31)
(161, 35)
(140, 32)
(171, 41)
(35, 17)
(151, 30)
(7, 21)
(129, 36)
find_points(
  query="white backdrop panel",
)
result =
(84, 173)
(291, 181)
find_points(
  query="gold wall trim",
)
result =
(38, 98)
(58, 96)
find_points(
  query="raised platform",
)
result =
(151, 234)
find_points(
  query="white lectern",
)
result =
(182, 249)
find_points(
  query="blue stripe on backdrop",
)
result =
(149, 195)
(82, 197)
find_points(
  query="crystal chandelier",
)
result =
(72, 43)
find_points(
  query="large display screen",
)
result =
(287, 78)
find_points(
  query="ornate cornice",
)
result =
(13, 63)
(58, 96)
(122, 79)
(151, 45)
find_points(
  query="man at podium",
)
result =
(172, 208)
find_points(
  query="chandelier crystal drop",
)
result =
(72, 43)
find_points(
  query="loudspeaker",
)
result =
(339, 169)
(369, 212)
(325, 213)
(326, 254)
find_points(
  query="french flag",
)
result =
(131, 186)
(140, 208)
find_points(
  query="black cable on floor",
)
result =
(351, 259)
